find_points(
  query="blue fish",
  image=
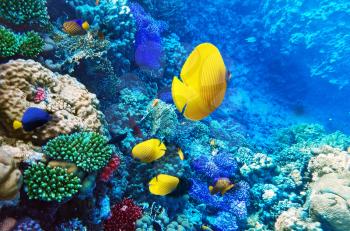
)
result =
(32, 118)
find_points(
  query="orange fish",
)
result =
(97, 2)
(155, 102)
(76, 27)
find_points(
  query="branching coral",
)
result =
(28, 45)
(124, 216)
(50, 184)
(25, 12)
(10, 177)
(88, 150)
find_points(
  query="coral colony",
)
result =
(175, 115)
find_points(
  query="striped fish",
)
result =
(74, 27)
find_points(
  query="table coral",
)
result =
(10, 177)
(50, 184)
(20, 78)
(124, 216)
(88, 150)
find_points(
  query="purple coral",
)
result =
(148, 38)
(27, 224)
(220, 165)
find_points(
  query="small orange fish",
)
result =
(100, 35)
(97, 2)
(222, 185)
(155, 102)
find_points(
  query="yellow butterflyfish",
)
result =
(149, 150)
(204, 82)
(181, 154)
(163, 184)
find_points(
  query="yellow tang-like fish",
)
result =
(149, 150)
(163, 184)
(222, 185)
(204, 81)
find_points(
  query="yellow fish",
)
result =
(76, 27)
(204, 227)
(222, 185)
(149, 150)
(162, 184)
(181, 154)
(204, 81)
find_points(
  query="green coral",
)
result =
(88, 150)
(8, 43)
(28, 45)
(32, 44)
(50, 184)
(20, 12)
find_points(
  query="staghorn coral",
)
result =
(88, 150)
(10, 177)
(19, 79)
(124, 216)
(50, 184)
(25, 12)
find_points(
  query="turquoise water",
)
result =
(174, 115)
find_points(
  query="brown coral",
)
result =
(18, 81)
(10, 177)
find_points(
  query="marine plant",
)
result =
(124, 216)
(90, 151)
(50, 184)
(25, 12)
(31, 44)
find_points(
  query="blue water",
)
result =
(280, 135)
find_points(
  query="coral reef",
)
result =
(10, 177)
(50, 184)
(108, 170)
(124, 216)
(19, 79)
(27, 224)
(29, 44)
(25, 12)
(88, 150)
(296, 219)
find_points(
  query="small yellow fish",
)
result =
(204, 227)
(222, 185)
(212, 142)
(163, 184)
(149, 150)
(181, 154)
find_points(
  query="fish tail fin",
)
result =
(211, 189)
(17, 124)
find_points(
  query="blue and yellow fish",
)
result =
(76, 27)
(32, 118)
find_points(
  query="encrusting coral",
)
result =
(88, 150)
(19, 80)
(50, 184)
(10, 177)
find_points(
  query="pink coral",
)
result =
(108, 170)
(40, 95)
(124, 216)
